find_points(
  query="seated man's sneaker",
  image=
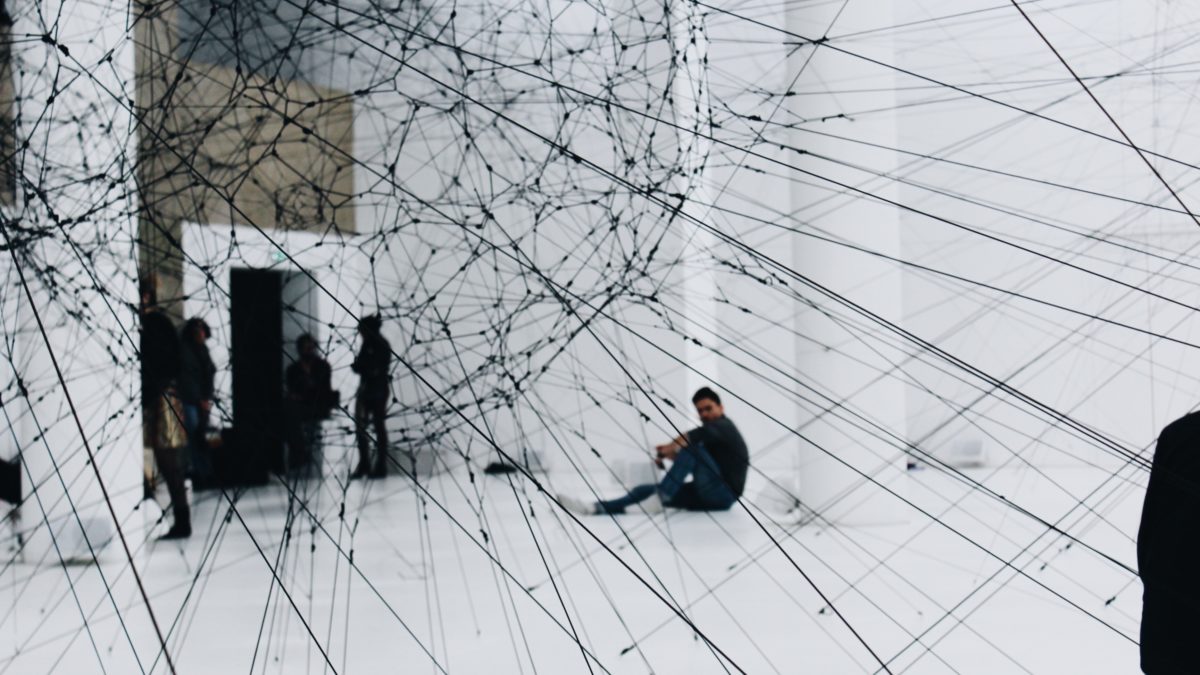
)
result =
(578, 505)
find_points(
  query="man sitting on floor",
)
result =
(713, 454)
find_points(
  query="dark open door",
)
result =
(256, 332)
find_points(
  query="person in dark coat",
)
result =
(310, 399)
(373, 365)
(162, 423)
(1168, 551)
(196, 374)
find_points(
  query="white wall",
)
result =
(78, 265)
(792, 350)
(1123, 384)
(454, 227)
(69, 354)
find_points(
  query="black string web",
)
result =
(938, 259)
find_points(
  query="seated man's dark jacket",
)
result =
(724, 443)
(1168, 551)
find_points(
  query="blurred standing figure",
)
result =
(372, 364)
(196, 392)
(310, 398)
(162, 423)
(1168, 547)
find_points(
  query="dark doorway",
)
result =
(256, 334)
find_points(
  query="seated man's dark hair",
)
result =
(307, 337)
(705, 392)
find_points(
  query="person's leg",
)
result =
(191, 426)
(170, 465)
(379, 413)
(707, 489)
(361, 412)
(618, 505)
(685, 498)
(675, 477)
(191, 418)
(293, 433)
(673, 489)
(149, 434)
(200, 456)
(310, 430)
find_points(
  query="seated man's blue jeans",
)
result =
(707, 491)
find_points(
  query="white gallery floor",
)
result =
(487, 576)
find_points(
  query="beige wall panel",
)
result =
(254, 152)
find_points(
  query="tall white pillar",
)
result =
(690, 95)
(843, 458)
(73, 332)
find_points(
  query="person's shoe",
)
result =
(360, 471)
(578, 505)
(652, 504)
(380, 471)
(177, 532)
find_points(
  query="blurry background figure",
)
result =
(10, 492)
(1167, 550)
(196, 373)
(310, 399)
(162, 413)
(370, 402)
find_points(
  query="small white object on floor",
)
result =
(631, 473)
(579, 506)
(778, 496)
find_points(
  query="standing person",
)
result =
(1167, 550)
(162, 414)
(713, 455)
(196, 373)
(310, 398)
(373, 365)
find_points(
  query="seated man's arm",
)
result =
(673, 446)
(670, 450)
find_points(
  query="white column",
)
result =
(846, 359)
(79, 365)
(689, 92)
